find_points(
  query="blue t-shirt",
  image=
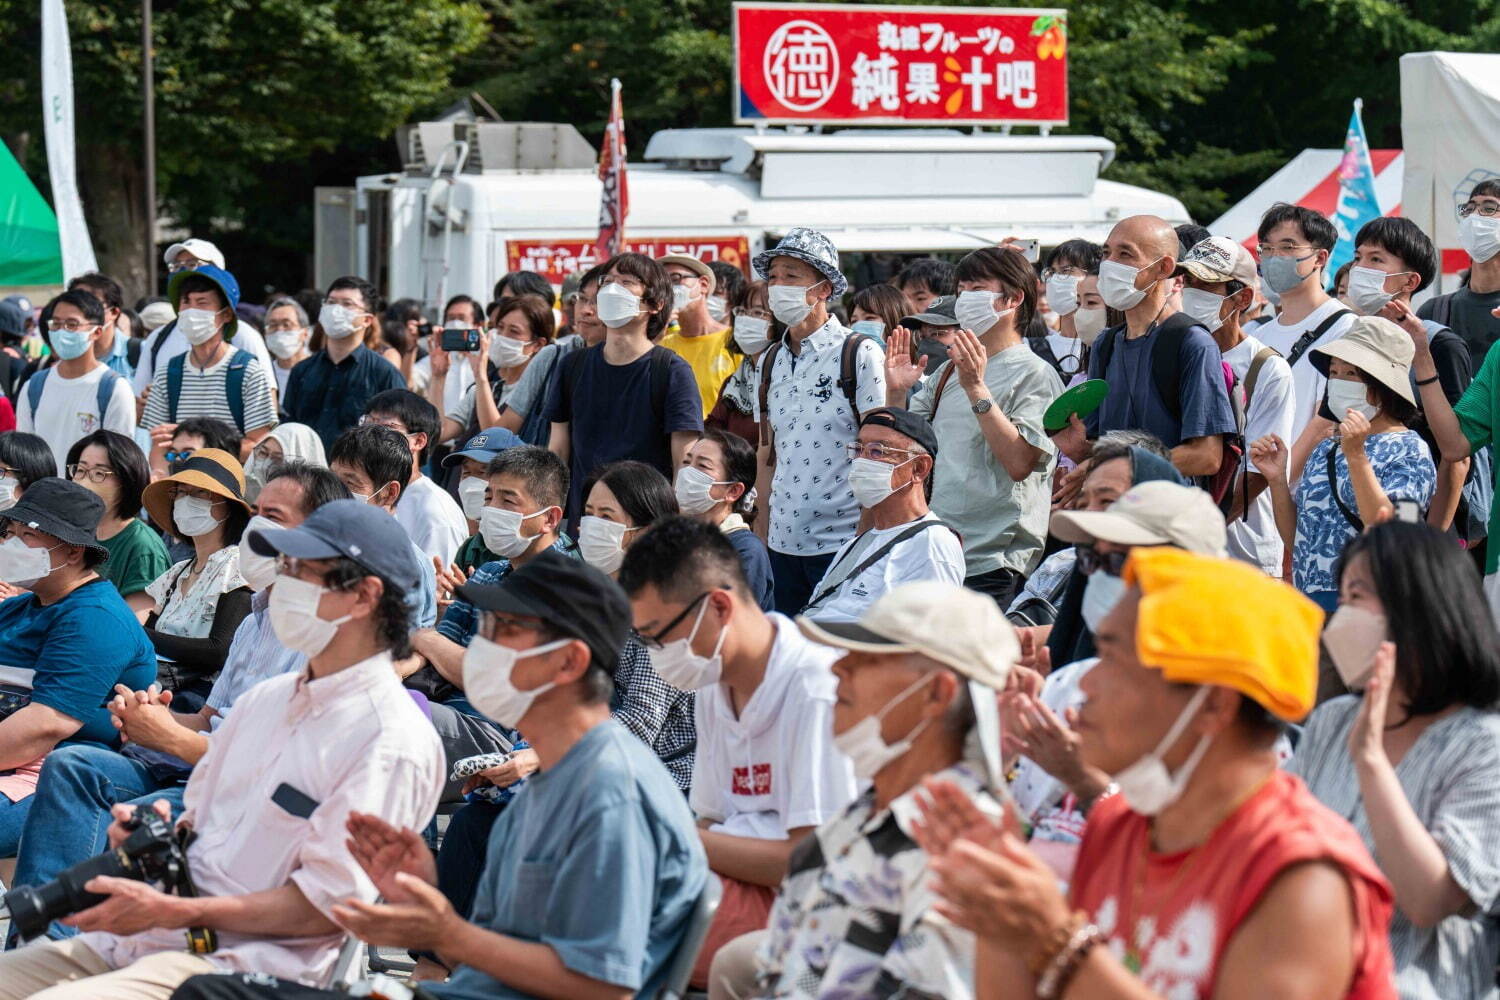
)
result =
(79, 648)
(611, 416)
(756, 563)
(422, 602)
(1134, 404)
(599, 860)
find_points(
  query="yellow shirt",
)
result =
(710, 359)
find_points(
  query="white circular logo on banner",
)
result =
(801, 65)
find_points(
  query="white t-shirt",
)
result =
(1308, 385)
(1064, 348)
(69, 410)
(774, 768)
(433, 519)
(246, 338)
(932, 554)
(460, 377)
(1254, 537)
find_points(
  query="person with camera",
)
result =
(65, 641)
(268, 803)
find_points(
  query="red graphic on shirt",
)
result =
(753, 780)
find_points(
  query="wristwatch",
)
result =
(982, 405)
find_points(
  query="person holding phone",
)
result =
(1410, 758)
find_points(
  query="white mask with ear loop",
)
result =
(1147, 785)
(866, 749)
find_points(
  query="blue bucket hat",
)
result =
(810, 246)
(218, 276)
(484, 446)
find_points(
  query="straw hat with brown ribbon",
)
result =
(209, 469)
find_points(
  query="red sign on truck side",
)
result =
(556, 259)
(839, 63)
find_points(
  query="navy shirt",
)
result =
(79, 649)
(330, 398)
(612, 416)
(1134, 404)
(756, 563)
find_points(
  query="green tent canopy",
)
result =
(29, 250)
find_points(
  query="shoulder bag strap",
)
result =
(1311, 337)
(909, 531)
(937, 393)
(1333, 485)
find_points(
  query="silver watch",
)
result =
(982, 405)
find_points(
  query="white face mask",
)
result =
(866, 749)
(682, 296)
(870, 481)
(1147, 785)
(501, 530)
(1352, 637)
(8, 487)
(284, 343)
(506, 352)
(1100, 595)
(1479, 236)
(197, 325)
(1117, 285)
(21, 565)
(1367, 289)
(294, 616)
(1088, 324)
(694, 489)
(752, 334)
(718, 308)
(487, 683)
(471, 496)
(976, 312)
(337, 321)
(789, 302)
(617, 305)
(1203, 307)
(194, 516)
(601, 543)
(1062, 293)
(679, 666)
(1345, 395)
(259, 571)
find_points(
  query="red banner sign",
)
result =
(899, 65)
(556, 259)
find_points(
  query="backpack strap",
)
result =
(1043, 350)
(1104, 348)
(910, 531)
(1253, 374)
(104, 392)
(161, 341)
(234, 386)
(34, 387)
(1166, 359)
(767, 435)
(1311, 337)
(133, 352)
(661, 381)
(1442, 309)
(174, 384)
(848, 376)
(937, 393)
(1333, 487)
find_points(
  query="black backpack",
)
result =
(848, 383)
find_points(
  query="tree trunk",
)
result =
(111, 182)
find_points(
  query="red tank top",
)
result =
(1191, 902)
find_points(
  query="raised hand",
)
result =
(1269, 455)
(901, 372)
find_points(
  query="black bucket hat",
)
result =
(62, 509)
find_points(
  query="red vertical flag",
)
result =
(614, 200)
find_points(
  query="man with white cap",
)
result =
(1219, 281)
(916, 698)
(702, 341)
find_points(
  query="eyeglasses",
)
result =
(878, 452)
(95, 473)
(632, 284)
(1091, 560)
(283, 328)
(490, 622)
(1065, 271)
(179, 456)
(1282, 249)
(351, 306)
(71, 325)
(1484, 208)
(176, 492)
(653, 641)
(190, 264)
(753, 313)
(6, 470)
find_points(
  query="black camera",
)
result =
(425, 329)
(461, 340)
(151, 853)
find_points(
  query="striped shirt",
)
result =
(204, 394)
(255, 654)
(1451, 777)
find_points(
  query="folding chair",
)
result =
(346, 968)
(680, 969)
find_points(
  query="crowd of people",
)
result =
(1121, 624)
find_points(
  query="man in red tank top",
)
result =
(1212, 874)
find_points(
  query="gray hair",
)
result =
(287, 300)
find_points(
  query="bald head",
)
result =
(1151, 237)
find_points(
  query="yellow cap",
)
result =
(1219, 621)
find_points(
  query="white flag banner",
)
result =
(57, 118)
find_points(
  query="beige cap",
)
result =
(1151, 513)
(693, 264)
(1377, 347)
(202, 249)
(1218, 259)
(958, 628)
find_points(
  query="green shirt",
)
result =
(1477, 411)
(136, 557)
(473, 554)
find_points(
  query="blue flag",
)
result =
(1357, 202)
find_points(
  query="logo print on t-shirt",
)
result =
(88, 422)
(753, 780)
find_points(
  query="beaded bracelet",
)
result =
(1065, 963)
(1056, 942)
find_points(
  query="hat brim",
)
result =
(47, 524)
(297, 543)
(474, 453)
(1379, 367)
(501, 599)
(177, 279)
(1083, 526)
(928, 319)
(156, 498)
(1200, 270)
(835, 277)
(698, 267)
(850, 635)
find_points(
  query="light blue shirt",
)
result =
(597, 858)
(423, 602)
(254, 655)
(119, 357)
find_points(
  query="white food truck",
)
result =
(479, 199)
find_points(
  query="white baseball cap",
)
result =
(1156, 512)
(202, 249)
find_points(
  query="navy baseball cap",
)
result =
(220, 277)
(570, 596)
(484, 446)
(12, 318)
(349, 528)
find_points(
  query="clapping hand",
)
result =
(384, 852)
(901, 372)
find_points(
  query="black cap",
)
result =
(572, 597)
(62, 509)
(904, 422)
(940, 312)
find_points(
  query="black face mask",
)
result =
(934, 351)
